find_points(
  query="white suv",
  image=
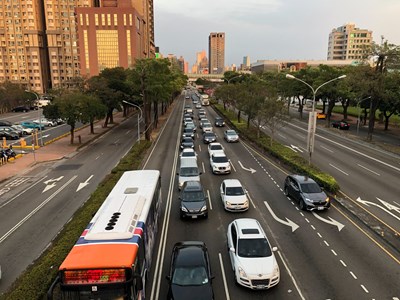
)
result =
(215, 148)
(233, 195)
(220, 164)
(252, 258)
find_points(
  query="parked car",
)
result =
(252, 257)
(25, 131)
(188, 152)
(233, 195)
(231, 136)
(5, 123)
(343, 125)
(209, 137)
(219, 122)
(28, 124)
(187, 142)
(215, 148)
(190, 276)
(307, 192)
(220, 164)
(22, 108)
(45, 122)
(321, 116)
(11, 130)
(9, 135)
(193, 200)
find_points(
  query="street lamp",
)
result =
(359, 111)
(138, 120)
(312, 120)
(237, 76)
(39, 116)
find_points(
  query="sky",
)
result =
(268, 29)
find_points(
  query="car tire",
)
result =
(302, 204)
(235, 278)
(285, 191)
(206, 216)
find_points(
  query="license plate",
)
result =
(320, 208)
(194, 217)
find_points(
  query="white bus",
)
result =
(112, 258)
(204, 99)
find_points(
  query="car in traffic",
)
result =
(306, 192)
(215, 148)
(252, 258)
(9, 135)
(187, 142)
(28, 124)
(202, 116)
(11, 130)
(206, 127)
(219, 122)
(209, 137)
(191, 125)
(233, 195)
(231, 136)
(21, 108)
(189, 275)
(193, 200)
(198, 105)
(342, 125)
(187, 120)
(188, 132)
(188, 171)
(188, 152)
(220, 164)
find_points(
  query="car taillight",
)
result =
(94, 276)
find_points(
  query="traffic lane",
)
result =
(55, 201)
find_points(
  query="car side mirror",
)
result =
(177, 173)
(274, 249)
(232, 249)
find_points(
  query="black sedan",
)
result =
(9, 135)
(343, 125)
(307, 192)
(190, 272)
(209, 137)
(219, 122)
(187, 142)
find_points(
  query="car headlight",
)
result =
(228, 203)
(184, 209)
(242, 273)
(204, 208)
(246, 203)
(275, 272)
(327, 200)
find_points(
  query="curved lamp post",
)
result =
(138, 119)
(237, 76)
(312, 120)
(39, 116)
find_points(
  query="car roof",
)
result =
(302, 178)
(230, 131)
(232, 182)
(219, 154)
(214, 144)
(192, 185)
(188, 150)
(248, 228)
(190, 253)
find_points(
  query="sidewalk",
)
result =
(56, 150)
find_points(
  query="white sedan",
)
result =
(45, 122)
(215, 148)
(233, 195)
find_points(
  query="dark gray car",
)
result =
(307, 192)
(193, 200)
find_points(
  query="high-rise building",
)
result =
(246, 61)
(216, 52)
(42, 43)
(348, 42)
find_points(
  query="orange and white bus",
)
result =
(112, 257)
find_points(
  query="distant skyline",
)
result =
(268, 29)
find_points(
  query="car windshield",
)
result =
(209, 135)
(190, 276)
(184, 154)
(220, 159)
(231, 133)
(193, 196)
(216, 147)
(187, 140)
(189, 171)
(310, 188)
(254, 248)
(234, 191)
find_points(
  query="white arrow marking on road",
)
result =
(377, 205)
(290, 148)
(45, 136)
(83, 184)
(389, 206)
(330, 221)
(287, 223)
(250, 170)
(51, 183)
(296, 148)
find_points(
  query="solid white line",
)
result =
(305, 150)
(251, 200)
(326, 149)
(365, 289)
(232, 166)
(339, 170)
(352, 274)
(343, 263)
(291, 276)
(223, 276)
(368, 169)
(28, 216)
(282, 136)
(209, 198)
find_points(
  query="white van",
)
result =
(188, 171)
(40, 103)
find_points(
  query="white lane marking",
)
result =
(251, 200)
(28, 216)
(282, 136)
(368, 170)
(234, 169)
(352, 274)
(307, 220)
(333, 251)
(312, 226)
(339, 169)
(396, 203)
(319, 235)
(305, 150)
(343, 263)
(223, 276)
(365, 289)
(327, 149)
(204, 169)
(199, 148)
(291, 276)
(209, 198)
(326, 243)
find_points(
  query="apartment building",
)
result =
(349, 42)
(216, 52)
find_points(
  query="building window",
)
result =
(115, 20)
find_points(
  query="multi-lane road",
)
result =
(325, 255)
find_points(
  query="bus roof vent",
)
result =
(131, 190)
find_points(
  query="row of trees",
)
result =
(151, 83)
(263, 96)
